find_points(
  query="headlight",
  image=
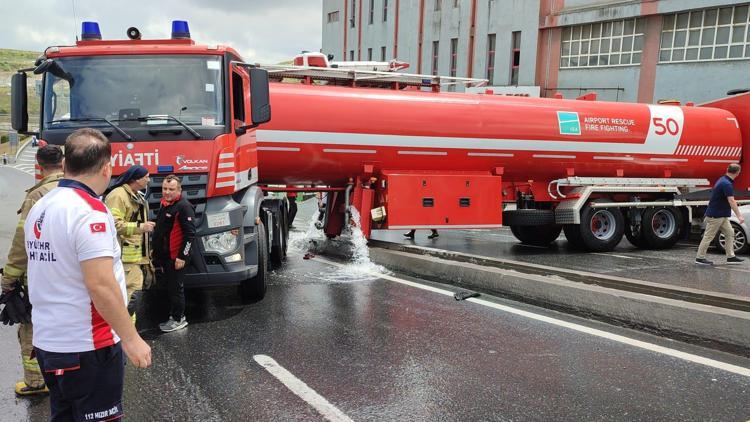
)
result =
(221, 243)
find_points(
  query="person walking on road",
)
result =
(5, 158)
(410, 234)
(720, 208)
(129, 209)
(49, 160)
(77, 289)
(173, 240)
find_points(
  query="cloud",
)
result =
(265, 31)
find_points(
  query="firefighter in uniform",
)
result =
(49, 159)
(129, 208)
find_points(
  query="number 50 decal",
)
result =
(665, 128)
(668, 125)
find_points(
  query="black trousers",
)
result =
(176, 289)
(84, 386)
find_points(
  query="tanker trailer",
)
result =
(414, 159)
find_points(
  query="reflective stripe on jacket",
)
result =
(129, 210)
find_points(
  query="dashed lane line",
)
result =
(298, 387)
(739, 370)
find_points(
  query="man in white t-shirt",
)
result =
(77, 288)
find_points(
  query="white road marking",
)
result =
(615, 255)
(298, 387)
(739, 370)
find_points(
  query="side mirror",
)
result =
(260, 102)
(19, 103)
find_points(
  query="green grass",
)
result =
(10, 62)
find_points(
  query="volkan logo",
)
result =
(569, 123)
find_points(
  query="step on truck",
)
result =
(175, 107)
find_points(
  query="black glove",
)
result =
(17, 309)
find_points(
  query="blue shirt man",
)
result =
(720, 208)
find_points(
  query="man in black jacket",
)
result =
(173, 238)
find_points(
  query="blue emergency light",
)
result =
(164, 169)
(180, 30)
(90, 31)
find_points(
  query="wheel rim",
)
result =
(739, 239)
(663, 224)
(603, 225)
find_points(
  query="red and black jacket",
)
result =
(175, 231)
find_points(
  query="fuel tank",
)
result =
(326, 134)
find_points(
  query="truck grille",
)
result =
(194, 188)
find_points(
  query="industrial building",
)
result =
(627, 50)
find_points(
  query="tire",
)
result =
(741, 245)
(601, 229)
(636, 239)
(254, 288)
(573, 234)
(528, 217)
(661, 227)
(278, 245)
(536, 235)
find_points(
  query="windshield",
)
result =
(124, 89)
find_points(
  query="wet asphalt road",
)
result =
(381, 350)
(672, 266)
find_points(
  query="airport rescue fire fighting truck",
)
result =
(409, 156)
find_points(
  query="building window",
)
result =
(455, 3)
(353, 19)
(491, 58)
(435, 50)
(437, 4)
(454, 56)
(385, 10)
(382, 53)
(515, 57)
(371, 12)
(616, 43)
(700, 35)
(369, 54)
(333, 17)
(351, 55)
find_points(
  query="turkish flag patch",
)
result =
(98, 227)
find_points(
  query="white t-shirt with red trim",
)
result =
(64, 228)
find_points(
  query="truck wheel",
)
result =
(741, 245)
(573, 235)
(601, 229)
(528, 217)
(635, 237)
(536, 235)
(660, 227)
(254, 288)
(278, 247)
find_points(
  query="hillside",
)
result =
(10, 61)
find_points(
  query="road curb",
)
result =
(21, 149)
(698, 322)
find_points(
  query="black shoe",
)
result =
(432, 236)
(703, 261)
(409, 235)
(735, 260)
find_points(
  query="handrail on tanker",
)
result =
(354, 76)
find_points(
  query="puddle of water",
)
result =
(350, 246)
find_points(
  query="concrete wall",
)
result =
(333, 33)
(611, 77)
(502, 18)
(700, 82)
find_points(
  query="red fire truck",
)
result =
(409, 156)
(174, 107)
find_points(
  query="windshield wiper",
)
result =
(95, 119)
(162, 117)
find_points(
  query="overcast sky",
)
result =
(266, 31)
